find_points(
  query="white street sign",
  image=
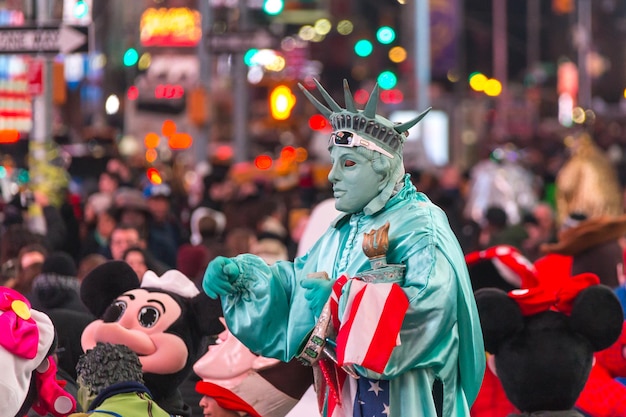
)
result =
(50, 40)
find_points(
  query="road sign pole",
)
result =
(240, 118)
(42, 105)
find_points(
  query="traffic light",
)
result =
(282, 101)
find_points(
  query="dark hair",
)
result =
(496, 216)
(151, 263)
(107, 364)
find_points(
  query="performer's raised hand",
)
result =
(317, 291)
(219, 277)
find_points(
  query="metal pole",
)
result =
(42, 105)
(533, 29)
(200, 145)
(422, 53)
(240, 118)
(500, 68)
(584, 41)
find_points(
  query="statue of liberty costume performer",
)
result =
(381, 305)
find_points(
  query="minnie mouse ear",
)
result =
(502, 267)
(104, 283)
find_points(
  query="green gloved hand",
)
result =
(317, 292)
(219, 277)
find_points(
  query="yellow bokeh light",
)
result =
(478, 81)
(323, 26)
(578, 115)
(453, 76)
(306, 33)
(397, 54)
(493, 87)
(345, 27)
(277, 64)
(624, 92)
(144, 61)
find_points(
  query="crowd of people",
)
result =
(232, 227)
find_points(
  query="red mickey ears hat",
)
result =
(513, 267)
(225, 398)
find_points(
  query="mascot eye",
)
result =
(114, 312)
(148, 316)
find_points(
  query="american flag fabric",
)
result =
(375, 311)
(372, 398)
(367, 332)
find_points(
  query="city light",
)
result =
(154, 176)
(131, 56)
(397, 54)
(493, 87)
(80, 9)
(263, 162)
(385, 35)
(477, 81)
(363, 48)
(132, 93)
(318, 122)
(387, 80)
(273, 7)
(151, 140)
(112, 104)
(282, 101)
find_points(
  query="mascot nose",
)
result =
(137, 340)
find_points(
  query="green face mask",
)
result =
(355, 183)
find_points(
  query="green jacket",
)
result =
(126, 399)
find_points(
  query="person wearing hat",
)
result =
(217, 401)
(408, 343)
(133, 210)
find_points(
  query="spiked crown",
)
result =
(366, 122)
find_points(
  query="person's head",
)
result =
(365, 149)
(545, 215)
(123, 237)
(105, 222)
(108, 182)
(88, 263)
(105, 365)
(496, 217)
(158, 199)
(97, 203)
(138, 259)
(132, 207)
(218, 401)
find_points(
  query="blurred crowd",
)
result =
(46, 249)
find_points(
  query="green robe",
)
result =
(440, 336)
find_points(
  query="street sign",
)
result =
(44, 39)
(239, 42)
